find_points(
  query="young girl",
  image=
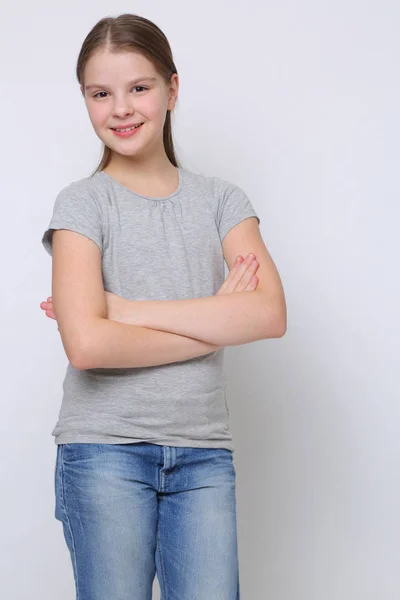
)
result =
(144, 477)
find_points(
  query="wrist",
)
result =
(125, 312)
(130, 312)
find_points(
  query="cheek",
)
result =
(98, 114)
(154, 107)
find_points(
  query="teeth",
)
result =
(129, 128)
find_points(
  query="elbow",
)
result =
(71, 350)
(275, 315)
(85, 358)
(81, 364)
(79, 359)
(276, 324)
(277, 330)
(80, 353)
(281, 324)
(282, 330)
(280, 318)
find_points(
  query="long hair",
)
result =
(129, 32)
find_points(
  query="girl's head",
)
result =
(127, 75)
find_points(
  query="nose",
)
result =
(123, 107)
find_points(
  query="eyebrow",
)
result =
(98, 85)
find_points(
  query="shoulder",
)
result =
(79, 201)
(230, 203)
(216, 188)
(86, 186)
(77, 208)
(87, 195)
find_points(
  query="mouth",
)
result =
(127, 131)
(127, 128)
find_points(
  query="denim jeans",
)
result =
(130, 511)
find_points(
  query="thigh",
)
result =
(197, 553)
(109, 516)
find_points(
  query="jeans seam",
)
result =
(67, 521)
(163, 578)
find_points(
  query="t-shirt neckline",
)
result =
(122, 187)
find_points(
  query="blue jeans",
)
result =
(130, 511)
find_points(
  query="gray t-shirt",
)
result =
(152, 249)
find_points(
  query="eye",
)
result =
(140, 87)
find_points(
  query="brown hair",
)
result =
(129, 32)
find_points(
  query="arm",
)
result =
(79, 302)
(117, 345)
(225, 320)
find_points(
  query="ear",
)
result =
(173, 91)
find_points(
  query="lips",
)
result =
(126, 126)
(127, 134)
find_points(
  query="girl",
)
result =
(144, 477)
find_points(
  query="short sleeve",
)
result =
(233, 206)
(77, 210)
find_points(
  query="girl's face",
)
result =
(123, 89)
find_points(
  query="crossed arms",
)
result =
(160, 331)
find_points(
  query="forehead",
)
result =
(113, 67)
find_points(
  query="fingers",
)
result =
(46, 303)
(241, 271)
(247, 276)
(227, 286)
(238, 260)
(252, 285)
(235, 275)
(48, 308)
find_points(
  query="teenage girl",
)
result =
(144, 476)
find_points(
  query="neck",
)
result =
(155, 165)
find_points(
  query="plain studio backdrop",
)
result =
(297, 103)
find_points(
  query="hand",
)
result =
(114, 307)
(48, 307)
(241, 278)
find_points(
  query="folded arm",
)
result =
(226, 320)
(90, 340)
(116, 345)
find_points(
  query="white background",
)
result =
(298, 103)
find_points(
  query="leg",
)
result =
(108, 508)
(197, 554)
